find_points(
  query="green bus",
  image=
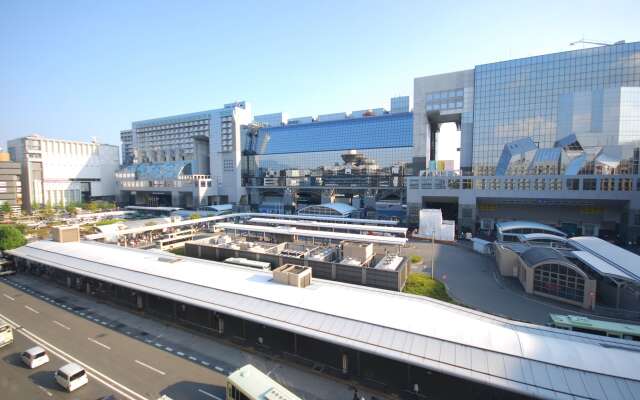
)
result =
(596, 327)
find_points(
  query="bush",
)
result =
(423, 285)
(415, 259)
(11, 237)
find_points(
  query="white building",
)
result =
(58, 172)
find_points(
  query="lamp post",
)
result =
(433, 254)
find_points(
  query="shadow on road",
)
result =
(194, 390)
(14, 359)
(46, 380)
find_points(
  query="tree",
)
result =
(35, 206)
(195, 215)
(11, 237)
(6, 208)
(71, 208)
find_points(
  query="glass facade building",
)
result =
(529, 97)
(368, 145)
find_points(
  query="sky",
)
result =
(82, 69)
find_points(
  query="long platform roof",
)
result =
(331, 225)
(292, 230)
(142, 229)
(533, 360)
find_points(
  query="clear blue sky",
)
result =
(76, 69)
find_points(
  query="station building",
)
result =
(413, 346)
(551, 138)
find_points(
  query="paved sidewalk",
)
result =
(214, 354)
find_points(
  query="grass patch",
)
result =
(423, 285)
(179, 251)
(109, 221)
(415, 259)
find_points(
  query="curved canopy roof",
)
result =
(328, 209)
(536, 255)
(504, 227)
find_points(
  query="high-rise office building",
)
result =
(185, 160)
(59, 172)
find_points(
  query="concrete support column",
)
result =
(175, 199)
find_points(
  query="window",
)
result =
(589, 184)
(559, 281)
(228, 165)
(77, 375)
(573, 184)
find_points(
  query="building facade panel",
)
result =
(527, 98)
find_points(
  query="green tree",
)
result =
(6, 208)
(195, 215)
(71, 208)
(11, 237)
(35, 206)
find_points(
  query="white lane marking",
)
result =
(213, 396)
(61, 325)
(219, 369)
(99, 344)
(150, 367)
(45, 390)
(32, 309)
(97, 375)
(9, 297)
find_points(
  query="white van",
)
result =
(6, 334)
(34, 357)
(71, 377)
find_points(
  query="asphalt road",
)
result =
(116, 363)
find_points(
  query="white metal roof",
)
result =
(292, 230)
(538, 236)
(340, 208)
(509, 225)
(625, 261)
(600, 265)
(373, 222)
(145, 208)
(529, 359)
(332, 225)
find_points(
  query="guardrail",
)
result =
(529, 183)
